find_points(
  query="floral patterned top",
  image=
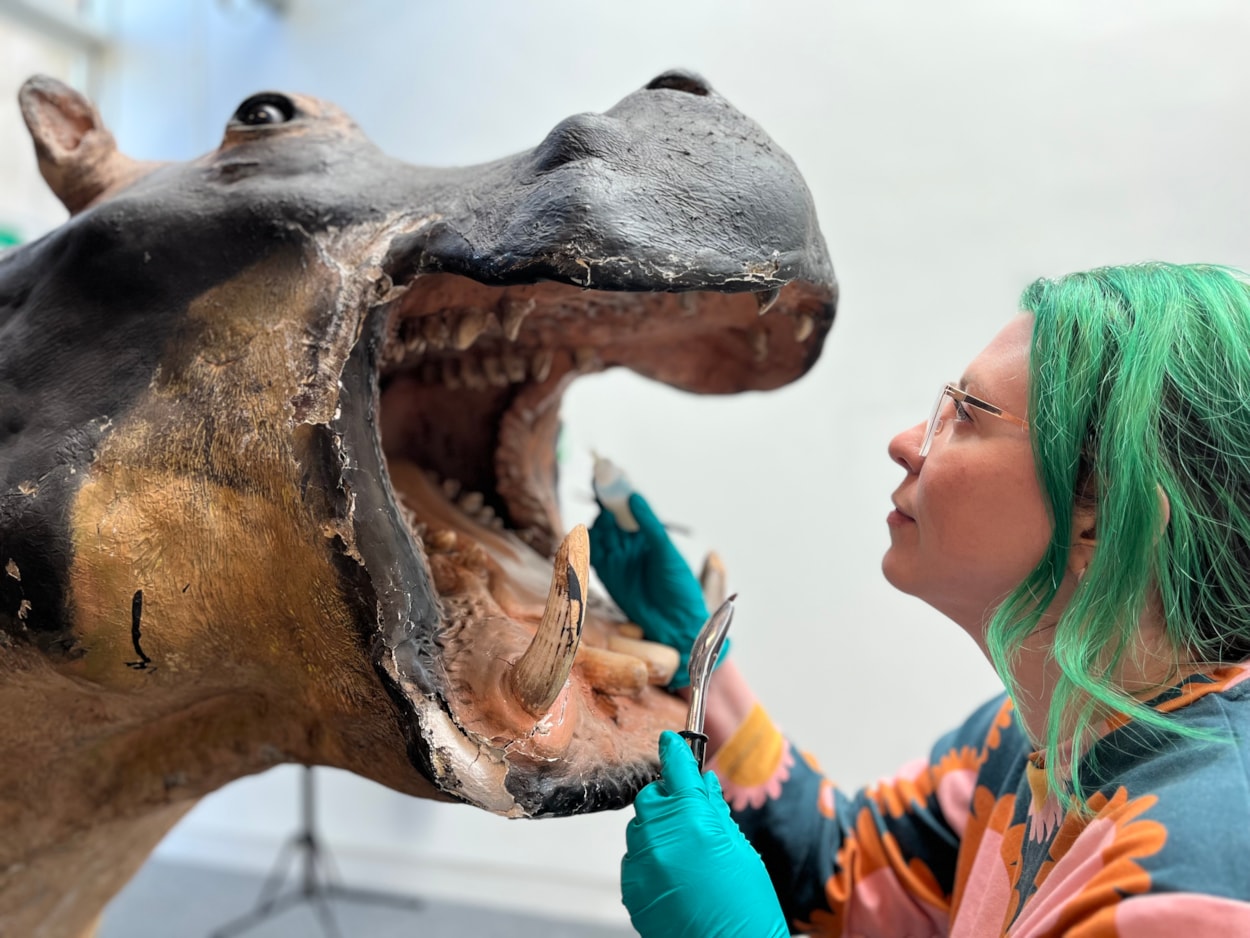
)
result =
(971, 843)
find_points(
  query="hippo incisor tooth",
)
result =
(540, 367)
(585, 358)
(759, 345)
(514, 365)
(713, 578)
(465, 332)
(766, 299)
(661, 661)
(441, 541)
(540, 673)
(451, 374)
(803, 327)
(494, 371)
(435, 330)
(612, 673)
(514, 313)
(471, 374)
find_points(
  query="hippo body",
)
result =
(277, 459)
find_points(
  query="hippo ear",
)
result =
(78, 156)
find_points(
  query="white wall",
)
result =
(955, 149)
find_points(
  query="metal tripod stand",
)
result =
(318, 880)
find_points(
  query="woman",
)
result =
(1079, 503)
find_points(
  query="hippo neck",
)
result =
(91, 780)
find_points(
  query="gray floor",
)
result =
(168, 900)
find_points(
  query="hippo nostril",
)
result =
(580, 137)
(681, 80)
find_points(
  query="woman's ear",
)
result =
(1084, 540)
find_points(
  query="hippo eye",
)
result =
(262, 109)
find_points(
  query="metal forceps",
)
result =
(707, 646)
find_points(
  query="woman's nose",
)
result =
(904, 449)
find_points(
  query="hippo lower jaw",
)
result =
(449, 425)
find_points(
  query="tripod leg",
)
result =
(328, 923)
(257, 915)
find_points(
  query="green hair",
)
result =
(1139, 382)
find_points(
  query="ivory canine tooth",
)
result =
(471, 325)
(611, 672)
(767, 298)
(714, 580)
(540, 367)
(514, 313)
(661, 661)
(540, 673)
(803, 327)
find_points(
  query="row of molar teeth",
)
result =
(473, 504)
(457, 330)
(478, 373)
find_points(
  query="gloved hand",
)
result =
(651, 581)
(688, 872)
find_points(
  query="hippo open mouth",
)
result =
(471, 378)
(286, 421)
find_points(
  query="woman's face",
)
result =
(970, 521)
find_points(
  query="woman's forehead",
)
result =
(1000, 372)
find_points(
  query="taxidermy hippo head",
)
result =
(277, 458)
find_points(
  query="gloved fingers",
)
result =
(608, 543)
(678, 768)
(604, 533)
(649, 524)
(716, 796)
(605, 520)
(711, 784)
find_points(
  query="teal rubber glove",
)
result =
(688, 872)
(650, 580)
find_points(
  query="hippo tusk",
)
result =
(540, 673)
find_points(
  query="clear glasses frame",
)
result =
(962, 399)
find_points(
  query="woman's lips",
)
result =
(898, 517)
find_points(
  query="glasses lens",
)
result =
(934, 424)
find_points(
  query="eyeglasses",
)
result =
(961, 400)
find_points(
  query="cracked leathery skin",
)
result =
(277, 458)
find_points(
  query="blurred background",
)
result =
(955, 151)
